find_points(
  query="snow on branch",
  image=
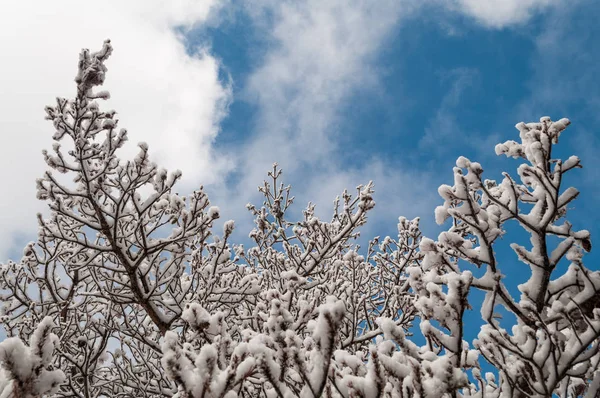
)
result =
(150, 296)
(30, 372)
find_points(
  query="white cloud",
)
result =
(502, 13)
(163, 95)
(320, 52)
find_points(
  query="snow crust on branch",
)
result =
(149, 296)
(29, 371)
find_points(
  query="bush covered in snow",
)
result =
(130, 291)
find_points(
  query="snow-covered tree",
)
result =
(29, 372)
(131, 290)
(120, 255)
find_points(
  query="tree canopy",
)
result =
(131, 291)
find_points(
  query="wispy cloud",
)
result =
(320, 54)
(564, 64)
(443, 127)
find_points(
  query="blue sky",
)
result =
(337, 92)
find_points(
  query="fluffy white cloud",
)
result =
(501, 13)
(164, 96)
